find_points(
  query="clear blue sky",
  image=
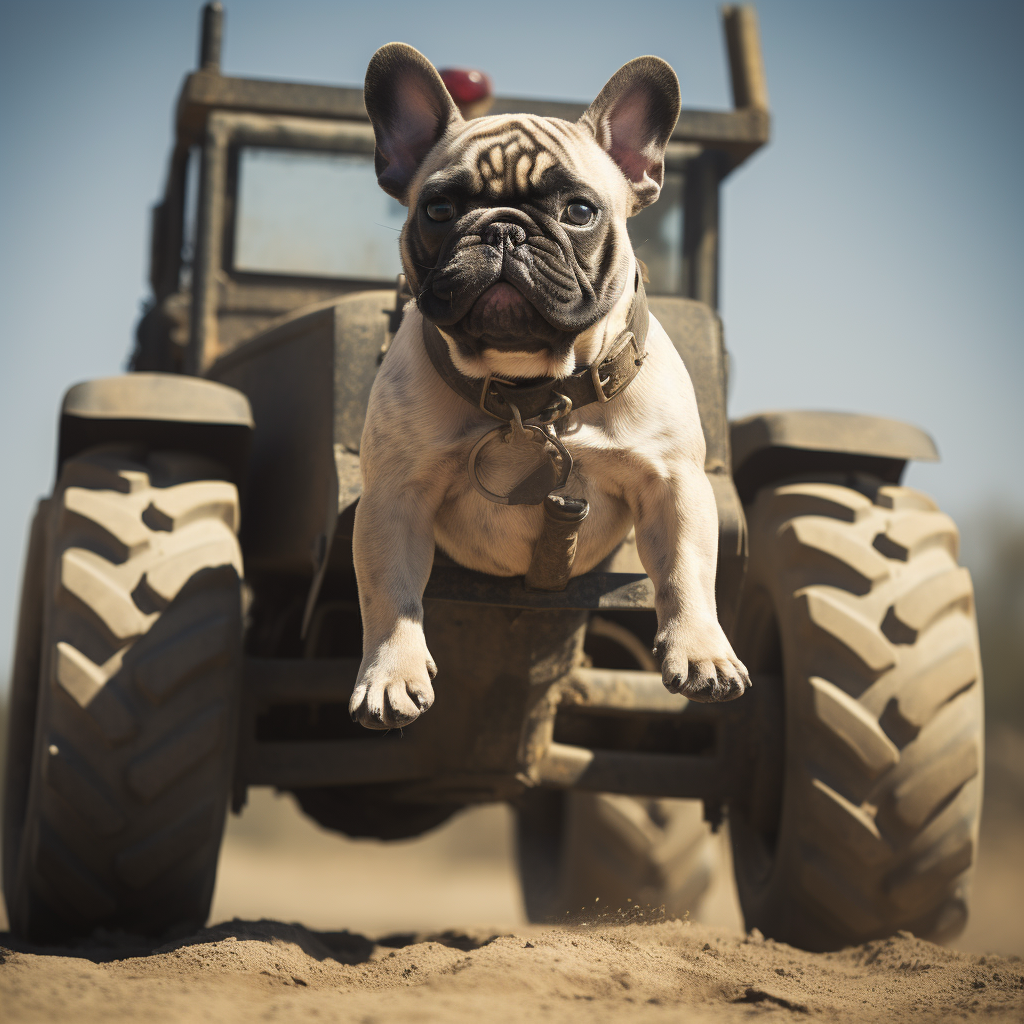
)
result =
(872, 254)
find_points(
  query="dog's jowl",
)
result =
(529, 325)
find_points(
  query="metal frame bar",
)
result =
(269, 682)
(738, 132)
(682, 776)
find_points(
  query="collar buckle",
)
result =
(485, 390)
(617, 380)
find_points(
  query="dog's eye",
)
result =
(440, 209)
(579, 214)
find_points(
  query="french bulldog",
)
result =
(516, 250)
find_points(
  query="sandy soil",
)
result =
(434, 931)
(273, 971)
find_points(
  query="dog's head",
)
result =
(515, 245)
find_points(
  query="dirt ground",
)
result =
(272, 971)
(432, 930)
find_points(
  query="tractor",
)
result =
(189, 624)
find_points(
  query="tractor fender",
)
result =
(772, 446)
(158, 410)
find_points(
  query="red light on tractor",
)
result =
(470, 89)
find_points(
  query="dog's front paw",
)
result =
(393, 688)
(703, 669)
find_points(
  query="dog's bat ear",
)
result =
(409, 108)
(632, 121)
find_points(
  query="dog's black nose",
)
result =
(500, 235)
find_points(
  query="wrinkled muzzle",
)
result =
(508, 278)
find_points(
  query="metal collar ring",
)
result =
(545, 436)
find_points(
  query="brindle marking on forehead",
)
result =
(509, 155)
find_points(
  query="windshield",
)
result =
(315, 213)
(322, 214)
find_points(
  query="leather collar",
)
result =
(549, 398)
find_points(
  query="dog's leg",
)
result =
(677, 539)
(393, 547)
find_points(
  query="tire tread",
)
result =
(881, 805)
(142, 640)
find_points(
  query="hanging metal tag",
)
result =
(552, 462)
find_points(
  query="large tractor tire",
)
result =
(126, 687)
(865, 743)
(595, 855)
